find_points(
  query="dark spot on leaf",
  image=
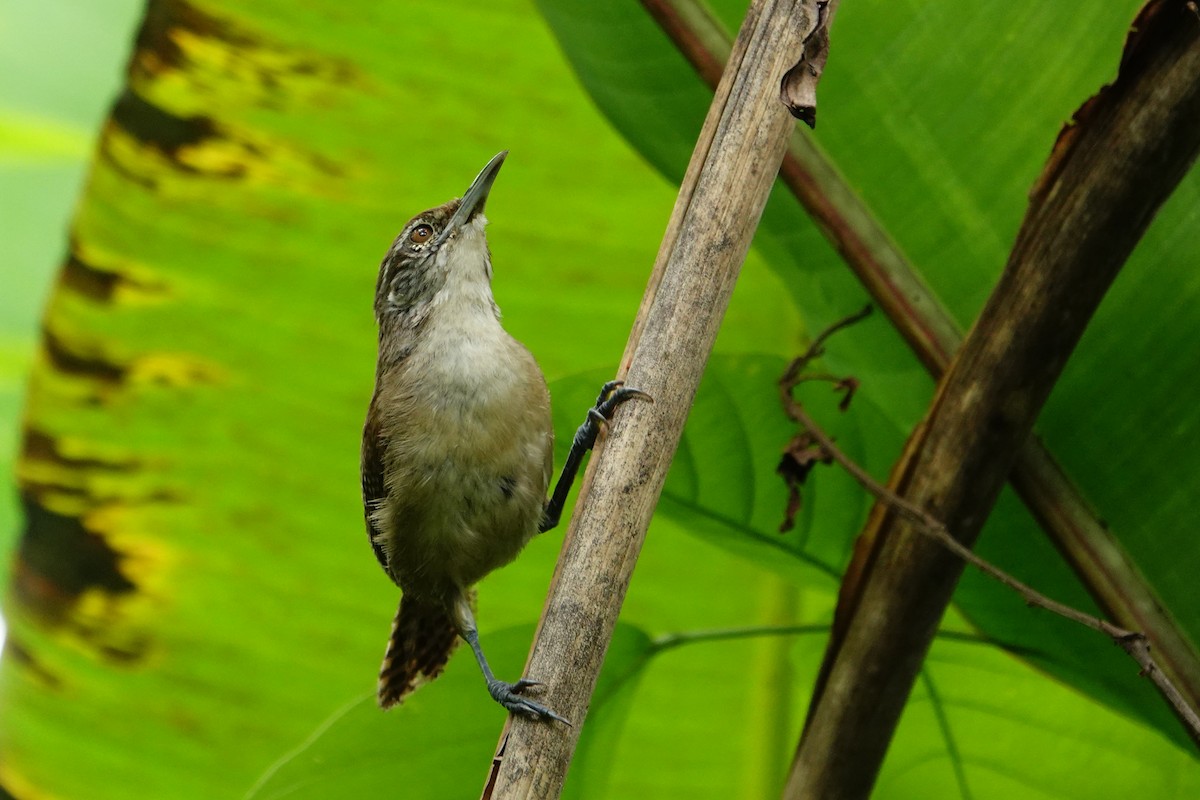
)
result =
(40, 447)
(157, 37)
(160, 129)
(59, 559)
(71, 362)
(87, 280)
(96, 283)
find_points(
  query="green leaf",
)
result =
(195, 599)
(50, 108)
(429, 745)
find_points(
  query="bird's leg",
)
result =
(613, 394)
(505, 693)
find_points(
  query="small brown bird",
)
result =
(457, 448)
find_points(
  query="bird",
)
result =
(457, 447)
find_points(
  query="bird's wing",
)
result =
(373, 488)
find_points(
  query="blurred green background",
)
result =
(61, 66)
(198, 612)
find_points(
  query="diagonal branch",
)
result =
(1095, 555)
(1107, 177)
(1134, 643)
(722, 197)
(842, 216)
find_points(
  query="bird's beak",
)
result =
(476, 196)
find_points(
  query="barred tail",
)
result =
(423, 637)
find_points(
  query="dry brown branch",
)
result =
(1107, 177)
(1133, 643)
(719, 205)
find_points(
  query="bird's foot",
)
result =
(509, 695)
(612, 395)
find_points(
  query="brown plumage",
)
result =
(457, 448)
(458, 444)
(423, 638)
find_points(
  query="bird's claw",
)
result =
(613, 394)
(508, 695)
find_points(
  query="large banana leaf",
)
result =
(50, 111)
(194, 610)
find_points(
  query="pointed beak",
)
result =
(473, 201)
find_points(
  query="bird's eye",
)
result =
(420, 234)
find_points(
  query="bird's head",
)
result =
(440, 250)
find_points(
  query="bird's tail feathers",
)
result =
(423, 637)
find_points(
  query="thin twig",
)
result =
(1132, 642)
(817, 348)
